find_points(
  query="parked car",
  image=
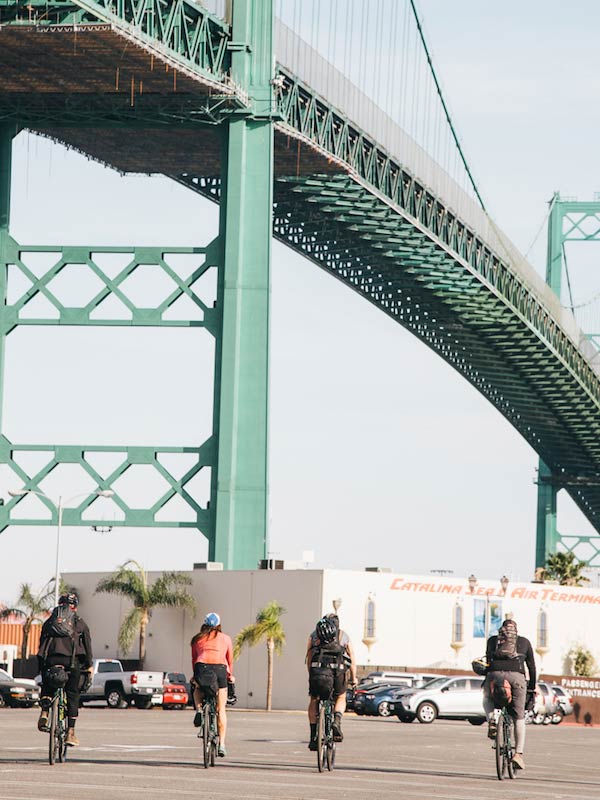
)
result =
(16, 692)
(362, 688)
(111, 683)
(446, 697)
(376, 702)
(565, 703)
(179, 677)
(176, 690)
(546, 704)
(375, 698)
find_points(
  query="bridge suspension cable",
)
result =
(372, 60)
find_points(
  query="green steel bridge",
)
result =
(223, 103)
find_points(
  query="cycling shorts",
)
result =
(339, 682)
(220, 670)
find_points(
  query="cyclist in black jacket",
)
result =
(75, 655)
(502, 668)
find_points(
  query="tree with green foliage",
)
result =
(167, 591)
(584, 663)
(31, 606)
(566, 569)
(268, 629)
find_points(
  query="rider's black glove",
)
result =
(530, 701)
(87, 680)
(231, 695)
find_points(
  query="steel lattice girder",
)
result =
(184, 32)
(386, 235)
(203, 456)
(13, 259)
(129, 63)
(481, 320)
(499, 337)
(85, 259)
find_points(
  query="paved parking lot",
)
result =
(154, 754)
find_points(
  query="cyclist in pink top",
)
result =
(212, 660)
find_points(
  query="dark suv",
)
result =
(17, 691)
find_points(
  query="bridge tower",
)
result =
(196, 46)
(569, 221)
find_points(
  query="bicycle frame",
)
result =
(57, 727)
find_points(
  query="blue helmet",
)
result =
(212, 620)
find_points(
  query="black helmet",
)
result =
(509, 625)
(68, 599)
(326, 630)
(480, 666)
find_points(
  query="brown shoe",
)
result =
(43, 720)
(518, 761)
(72, 740)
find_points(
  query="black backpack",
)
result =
(506, 646)
(59, 636)
(62, 622)
(329, 655)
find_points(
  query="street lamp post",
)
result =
(59, 508)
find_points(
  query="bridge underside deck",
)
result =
(115, 100)
(91, 59)
(112, 99)
(177, 152)
(344, 228)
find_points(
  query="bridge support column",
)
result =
(242, 370)
(547, 534)
(6, 137)
(554, 253)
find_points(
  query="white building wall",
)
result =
(236, 596)
(413, 621)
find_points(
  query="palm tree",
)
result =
(30, 607)
(267, 628)
(564, 568)
(168, 590)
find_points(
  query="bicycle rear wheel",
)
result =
(330, 754)
(53, 741)
(61, 726)
(214, 737)
(329, 741)
(321, 741)
(206, 734)
(510, 746)
(500, 747)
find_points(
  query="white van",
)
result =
(413, 679)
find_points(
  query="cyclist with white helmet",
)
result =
(212, 661)
(329, 657)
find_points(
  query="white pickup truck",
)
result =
(110, 683)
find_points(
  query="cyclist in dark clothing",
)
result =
(74, 654)
(327, 633)
(520, 672)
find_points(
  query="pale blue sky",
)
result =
(380, 453)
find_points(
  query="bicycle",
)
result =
(209, 731)
(505, 743)
(325, 740)
(57, 727)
